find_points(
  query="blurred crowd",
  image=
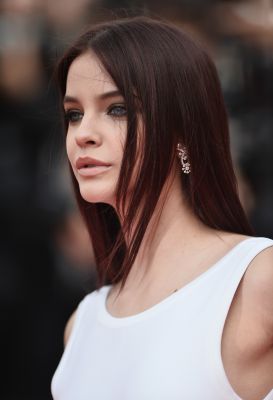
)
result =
(46, 260)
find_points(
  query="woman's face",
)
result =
(97, 126)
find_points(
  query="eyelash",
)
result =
(72, 113)
(69, 114)
(113, 107)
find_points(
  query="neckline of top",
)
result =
(106, 317)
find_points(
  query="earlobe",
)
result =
(184, 159)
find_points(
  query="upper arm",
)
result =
(258, 283)
(69, 327)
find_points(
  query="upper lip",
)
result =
(85, 161)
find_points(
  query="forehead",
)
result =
(86, 72)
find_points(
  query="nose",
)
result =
(88, 134)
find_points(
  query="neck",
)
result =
(172, 231)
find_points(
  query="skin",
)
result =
(179, 248)
(94, 129)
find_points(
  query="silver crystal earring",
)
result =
(183, 155)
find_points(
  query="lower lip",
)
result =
(93, 171)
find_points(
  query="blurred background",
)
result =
(46, 261)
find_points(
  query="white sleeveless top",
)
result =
(171, 351)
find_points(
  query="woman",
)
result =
(184, 303)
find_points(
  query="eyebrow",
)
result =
(103, 96)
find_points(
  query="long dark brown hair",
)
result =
(180, 100)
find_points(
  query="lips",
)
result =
(88, 162)
(90, 167)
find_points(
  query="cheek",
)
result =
(70, 152)
(69, 147)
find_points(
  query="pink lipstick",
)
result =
(87, 166)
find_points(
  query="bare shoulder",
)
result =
(69, 327)
(258, 288)
(259, 276)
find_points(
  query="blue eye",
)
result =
(117, 110)
(73, 116)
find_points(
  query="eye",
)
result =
(118, 110)
(73, 116)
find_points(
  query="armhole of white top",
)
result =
(225, 384)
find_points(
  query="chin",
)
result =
(97, 196)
